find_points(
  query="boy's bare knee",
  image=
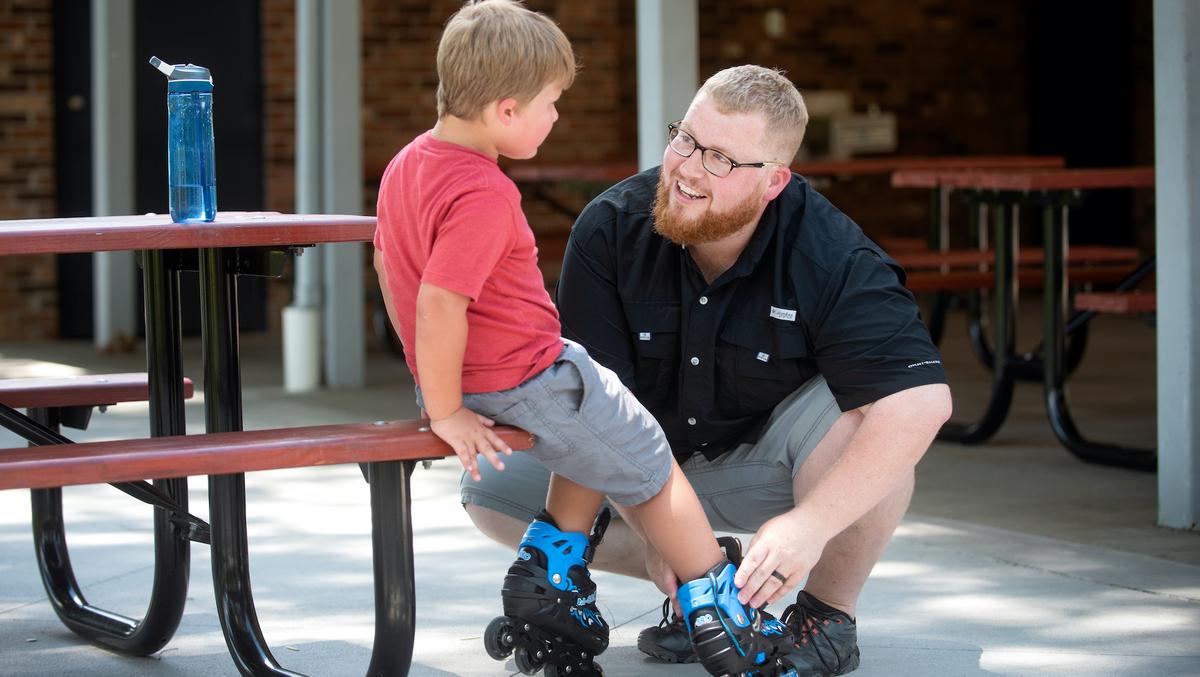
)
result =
(504, 529)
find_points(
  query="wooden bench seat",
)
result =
(77, 391)
(225, 453)
(1125, 302)
(963, 258)
(390, 449)
(968, 280)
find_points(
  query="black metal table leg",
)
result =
(1004, 306)
(227, 493)
(938, 239)
(172, 561)
(1054, 222)
(1028, 366)
(395, 596)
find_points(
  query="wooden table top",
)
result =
(1027, 180)
(613, 172)
(157, 231)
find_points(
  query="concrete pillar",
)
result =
(114, 274)
(345, 342)
(1177, 197)
(667, 66)
(302, 319)
(324, 325)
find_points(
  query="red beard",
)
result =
(708, 227)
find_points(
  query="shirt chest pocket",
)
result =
(760, 363)
(655, 337)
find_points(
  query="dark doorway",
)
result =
(73, 158)
(224, 37)
(1082, 102)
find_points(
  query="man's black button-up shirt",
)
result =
(810, 294)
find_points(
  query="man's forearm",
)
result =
(895, 432)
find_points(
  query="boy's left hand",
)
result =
(470, 434)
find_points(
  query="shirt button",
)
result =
(695, 361)
(704, 300)
(691, 421)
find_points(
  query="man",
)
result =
(776, 345)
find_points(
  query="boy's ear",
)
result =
(505, 109)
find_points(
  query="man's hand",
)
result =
(470, 434)
(783, 547)
(662, 575)
(894, 433)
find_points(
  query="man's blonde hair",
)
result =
(498, 49)
(754, 89)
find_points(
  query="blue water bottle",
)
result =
(190, 169)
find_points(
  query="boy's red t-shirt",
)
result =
(448, 216)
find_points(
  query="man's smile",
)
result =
(689, 194)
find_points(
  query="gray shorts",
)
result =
(739, 490)
(587, 427)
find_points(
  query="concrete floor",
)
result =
(1016, 558)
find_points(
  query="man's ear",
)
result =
(780, 177)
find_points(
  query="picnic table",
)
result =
(537, 178)
(1053, 192)
(538, 182)
(236, 243)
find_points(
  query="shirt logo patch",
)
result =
(783, 314)
(763, 357)
(644, 336)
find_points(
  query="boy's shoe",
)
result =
(826, 639)
(668, 641)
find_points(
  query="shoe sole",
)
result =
(654, 651)
(851, 665)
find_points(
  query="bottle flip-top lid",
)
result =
(184, 77)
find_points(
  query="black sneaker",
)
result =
(826, 638)
(669, 641)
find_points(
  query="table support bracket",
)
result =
(1054, 222)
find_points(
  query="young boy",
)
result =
(457, 264)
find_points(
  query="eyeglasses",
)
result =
(714, 161)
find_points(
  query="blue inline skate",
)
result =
(729, 637)
(550, 619)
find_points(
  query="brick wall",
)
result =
(28, 298)
(953, 71)
(399, 80)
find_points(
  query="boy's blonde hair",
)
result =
(498, 49)
(754, 89)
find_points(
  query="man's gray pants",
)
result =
(739, 490)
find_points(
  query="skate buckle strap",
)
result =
(598, 528)
(562, 549)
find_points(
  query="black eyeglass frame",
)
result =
(673, 130)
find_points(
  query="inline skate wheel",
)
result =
(497, 639)
(593, 669)
(526, 662)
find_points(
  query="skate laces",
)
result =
(808, 626)
(670, 619)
